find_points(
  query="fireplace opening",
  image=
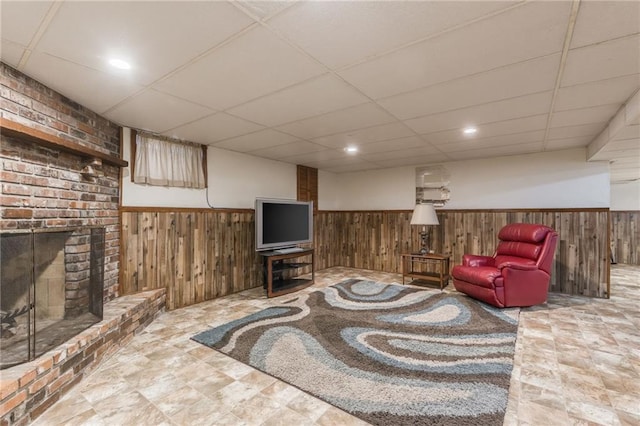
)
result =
(51, 288)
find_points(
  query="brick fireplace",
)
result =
(60, 179)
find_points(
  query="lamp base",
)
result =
(423, 236)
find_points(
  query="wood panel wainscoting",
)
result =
(376, 239)
(196, 254)
(625, 236)
(202, 254)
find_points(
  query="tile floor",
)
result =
(577, 362)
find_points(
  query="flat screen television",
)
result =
(282, 224)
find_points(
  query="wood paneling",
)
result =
(196, 256)
(375, 240)
(307, 185)
(625, 237)
(204, 254)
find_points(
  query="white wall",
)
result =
(235, 180)
(386, 189)
(329, 193)
(560, 179)
(625, 196)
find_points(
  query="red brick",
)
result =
(28, 377)
(10, 177)
(12, 402)
(57, 383)
(43, 381)
(46, 404)
(7, 105)
(8, 224)
(35, 181)
(45, 364)
(16, 189)
(17, 213)
(7, 387)
(13, 201)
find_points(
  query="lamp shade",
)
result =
(424, 214)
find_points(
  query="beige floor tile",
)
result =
(577, 362)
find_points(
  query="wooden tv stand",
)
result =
(275, 265)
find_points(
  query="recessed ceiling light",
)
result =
(469, 130)
(120, 64)
(351, 149)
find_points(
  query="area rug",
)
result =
(388, 354)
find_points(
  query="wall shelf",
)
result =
(19, 131)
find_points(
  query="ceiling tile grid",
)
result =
(298, 81)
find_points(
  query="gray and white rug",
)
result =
(388, 354)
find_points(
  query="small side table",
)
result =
(413, 266)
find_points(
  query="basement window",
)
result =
(167, 162)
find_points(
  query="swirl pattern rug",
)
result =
(388, 354)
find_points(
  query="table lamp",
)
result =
(424, 214)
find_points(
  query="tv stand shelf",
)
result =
(275, 264)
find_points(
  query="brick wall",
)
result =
(44, 188)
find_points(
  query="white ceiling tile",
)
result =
(365, 115)
(625, 176)
(498, 151)
(254, 141)
(592, 129)
(155, 37)
(263, 9)
(525, 78)
(575, 117)
(576, 142)
(213, 128)
(605, 20)
(340, 33)
(507, 127)
(616, 155)
(353, 166)
(229, 73)
(447, 64)
(613, 91)
(622, 145)
(281, 152)
(156, 111)
(413, 160)
(327, 92)
(628, 132)
(81, 84)
(365, 135)
(316, 156)
(420, 151)
(394, 145)
(507, 38)
(632, 161)
(522, 106)
(11, 53)
(30, 14)
(602, 61)
(496, 141)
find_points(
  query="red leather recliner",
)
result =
(517, 274)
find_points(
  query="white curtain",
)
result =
(167, 163)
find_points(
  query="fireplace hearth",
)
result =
(51, 288)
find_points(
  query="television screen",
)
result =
(283, 223)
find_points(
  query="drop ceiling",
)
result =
(299, 81)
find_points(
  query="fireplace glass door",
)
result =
(50, 290)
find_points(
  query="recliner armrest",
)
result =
(475, 260)
(519, 266)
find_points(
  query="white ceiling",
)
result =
(298, 81)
